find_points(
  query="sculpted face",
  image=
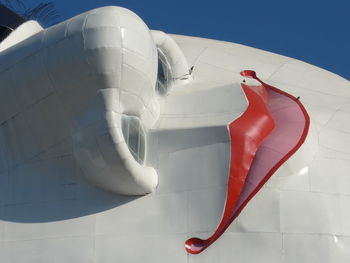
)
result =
(152, 109)
(141, 120)
(147, 108)
(122, 55)
(135, 69)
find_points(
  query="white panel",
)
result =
(2, 216)
(21, 230)
(205, 208)
(131, 103)
(132, 41)
(48, 180)
(18, 252)
(330, 175)
(34, 84)
(130, 21)
(171, 141)
(102, 37)
(206, 72)
(249, 59)
(319, 114)
(311, 97)
(345, 107)
(54, 34)
(22, 50)
(9, 107)
(340, 121)
(48, 250)
(335, 140)
(342, 252)
(151, 214)
(77, 250)
(101, 18)
(329, 153)
(145, 68)
(141, 248)
(5, 190)
(296, 182)
(306, 212)
(19, 145)
(193, 168)
(312, 78)
(255, 57)
(71, 97)
(196, 121)
(38, 230)
(105, 60)
(47, 119)
(65, 63)
(218, 99)
(82, 226)
(58, 150)
(243, 247)
(134, 81)
(218, 108)
(75, 25)
(191, 50)
(345, 215)
(111, 99)
(303, 248)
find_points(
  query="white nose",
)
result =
(109, 139)
(110, 148)
(90, 81)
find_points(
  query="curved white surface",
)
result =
(21, 33)
(175, 57)
(94, 63)
(48, 213)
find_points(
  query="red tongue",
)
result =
(251, 166)
(246, 133)
(248, 74)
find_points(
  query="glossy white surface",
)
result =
(49, 213)
(101, 59)
(175, 57)
(22, 32)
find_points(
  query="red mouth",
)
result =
(272, 129)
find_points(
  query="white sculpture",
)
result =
(144, 116)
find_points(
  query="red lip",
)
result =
(272, 129)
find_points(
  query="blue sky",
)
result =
(315, 31)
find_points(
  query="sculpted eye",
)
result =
(134, 136)
(164, 76)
